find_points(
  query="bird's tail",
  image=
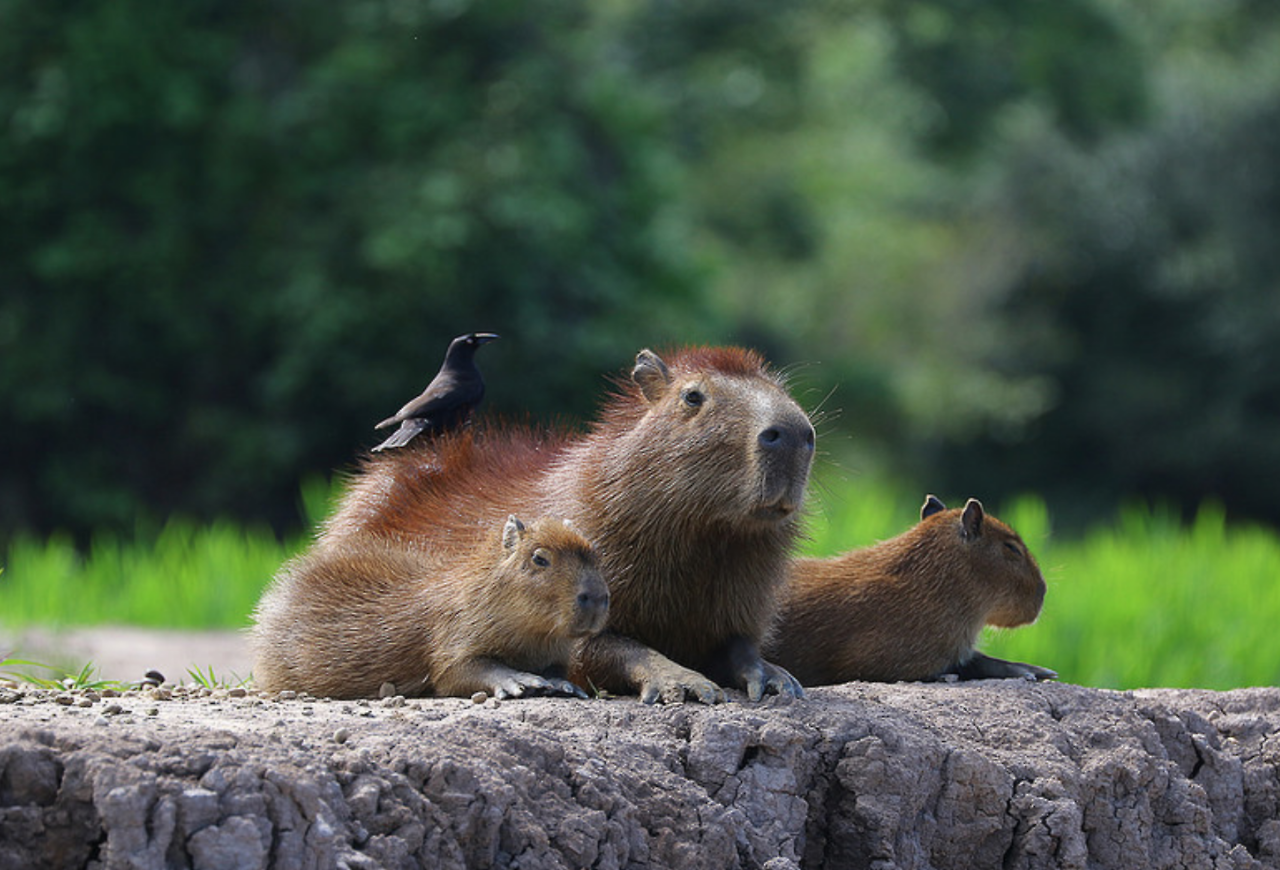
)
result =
(408, 430)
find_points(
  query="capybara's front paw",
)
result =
(674, 684)
(763, 678)
(521, 685)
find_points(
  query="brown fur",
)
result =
(692, 507)
(340, 622)
(911, 607)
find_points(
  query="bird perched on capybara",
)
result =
(689, 485)
(448, 400)
(911, 607)
(497, 612)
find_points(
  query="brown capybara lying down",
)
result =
(911, 607)
(688, 485)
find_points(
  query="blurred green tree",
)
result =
(1145, 297)
(233, 236)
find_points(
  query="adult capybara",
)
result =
(501, 617)
(689, 485)
(911, 607)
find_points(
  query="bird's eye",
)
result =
(541, 559)
(693, 398)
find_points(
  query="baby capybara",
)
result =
(689, 485)
(911, 607)
(501, 618)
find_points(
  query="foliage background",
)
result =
(1004, 246)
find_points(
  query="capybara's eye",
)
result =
(693, 398)
(1013, 548)
(541, 559)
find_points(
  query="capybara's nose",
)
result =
(594, 599)
(788, 435)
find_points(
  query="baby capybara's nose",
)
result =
(589, 599)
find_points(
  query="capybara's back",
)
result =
(911, 607)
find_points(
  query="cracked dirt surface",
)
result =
(990, 774)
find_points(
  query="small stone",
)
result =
(341, 735)
(101, 720)
(83, 702)
(387, 690)
(64, 699)
(112, 709)
(493, 702)
(153, 711)
(479, 698)
(237, 692)
(393, 701)
(110, 693)
(286, 695)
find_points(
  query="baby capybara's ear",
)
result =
(651, 375)
(512, 532)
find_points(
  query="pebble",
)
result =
(237, 692)
(64, 699)
(112, 709)
(393, 701)
(153, 711)
(387, 690)
(286, 695)
(341, 735)
(84, 702)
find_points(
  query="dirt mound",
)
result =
(990, 774)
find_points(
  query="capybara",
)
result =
(501, 617)
(911, 607)
(689, 485)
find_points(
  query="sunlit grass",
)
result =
(186, 576)
(1150, 601)
(1145, 600)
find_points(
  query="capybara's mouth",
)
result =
(776, 511)
(585, 624)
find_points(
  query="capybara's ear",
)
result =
(971, 519)
(651, 375)
(932, 505)
(512, 532)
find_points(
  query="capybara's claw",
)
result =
(679, 686)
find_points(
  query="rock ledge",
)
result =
(991, 774)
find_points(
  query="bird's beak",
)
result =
(483, 337)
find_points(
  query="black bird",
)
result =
(448, 400)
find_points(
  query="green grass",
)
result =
(186, 576)
(1143, 601)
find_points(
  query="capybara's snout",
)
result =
(591, 606)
